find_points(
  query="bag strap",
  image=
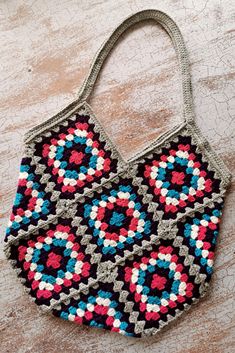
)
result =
(173, 31)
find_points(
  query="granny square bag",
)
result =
(123, 245)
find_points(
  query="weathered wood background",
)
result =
(46, 49)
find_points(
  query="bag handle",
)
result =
(172, 29)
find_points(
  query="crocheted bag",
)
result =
(123, 245)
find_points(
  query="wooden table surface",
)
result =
(46, 50)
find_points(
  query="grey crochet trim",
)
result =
(173, 31)
(37, 130)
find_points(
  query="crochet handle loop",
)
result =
(171, 28)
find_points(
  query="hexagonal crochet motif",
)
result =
(178, 177)
(117, 218)
(75, 157)
(53, 262)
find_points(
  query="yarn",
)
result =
(124, 246)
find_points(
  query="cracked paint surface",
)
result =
(47, 47)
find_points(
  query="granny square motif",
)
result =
(127, 246)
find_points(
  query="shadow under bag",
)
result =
(123, 245)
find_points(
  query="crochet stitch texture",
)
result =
(125, 246)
